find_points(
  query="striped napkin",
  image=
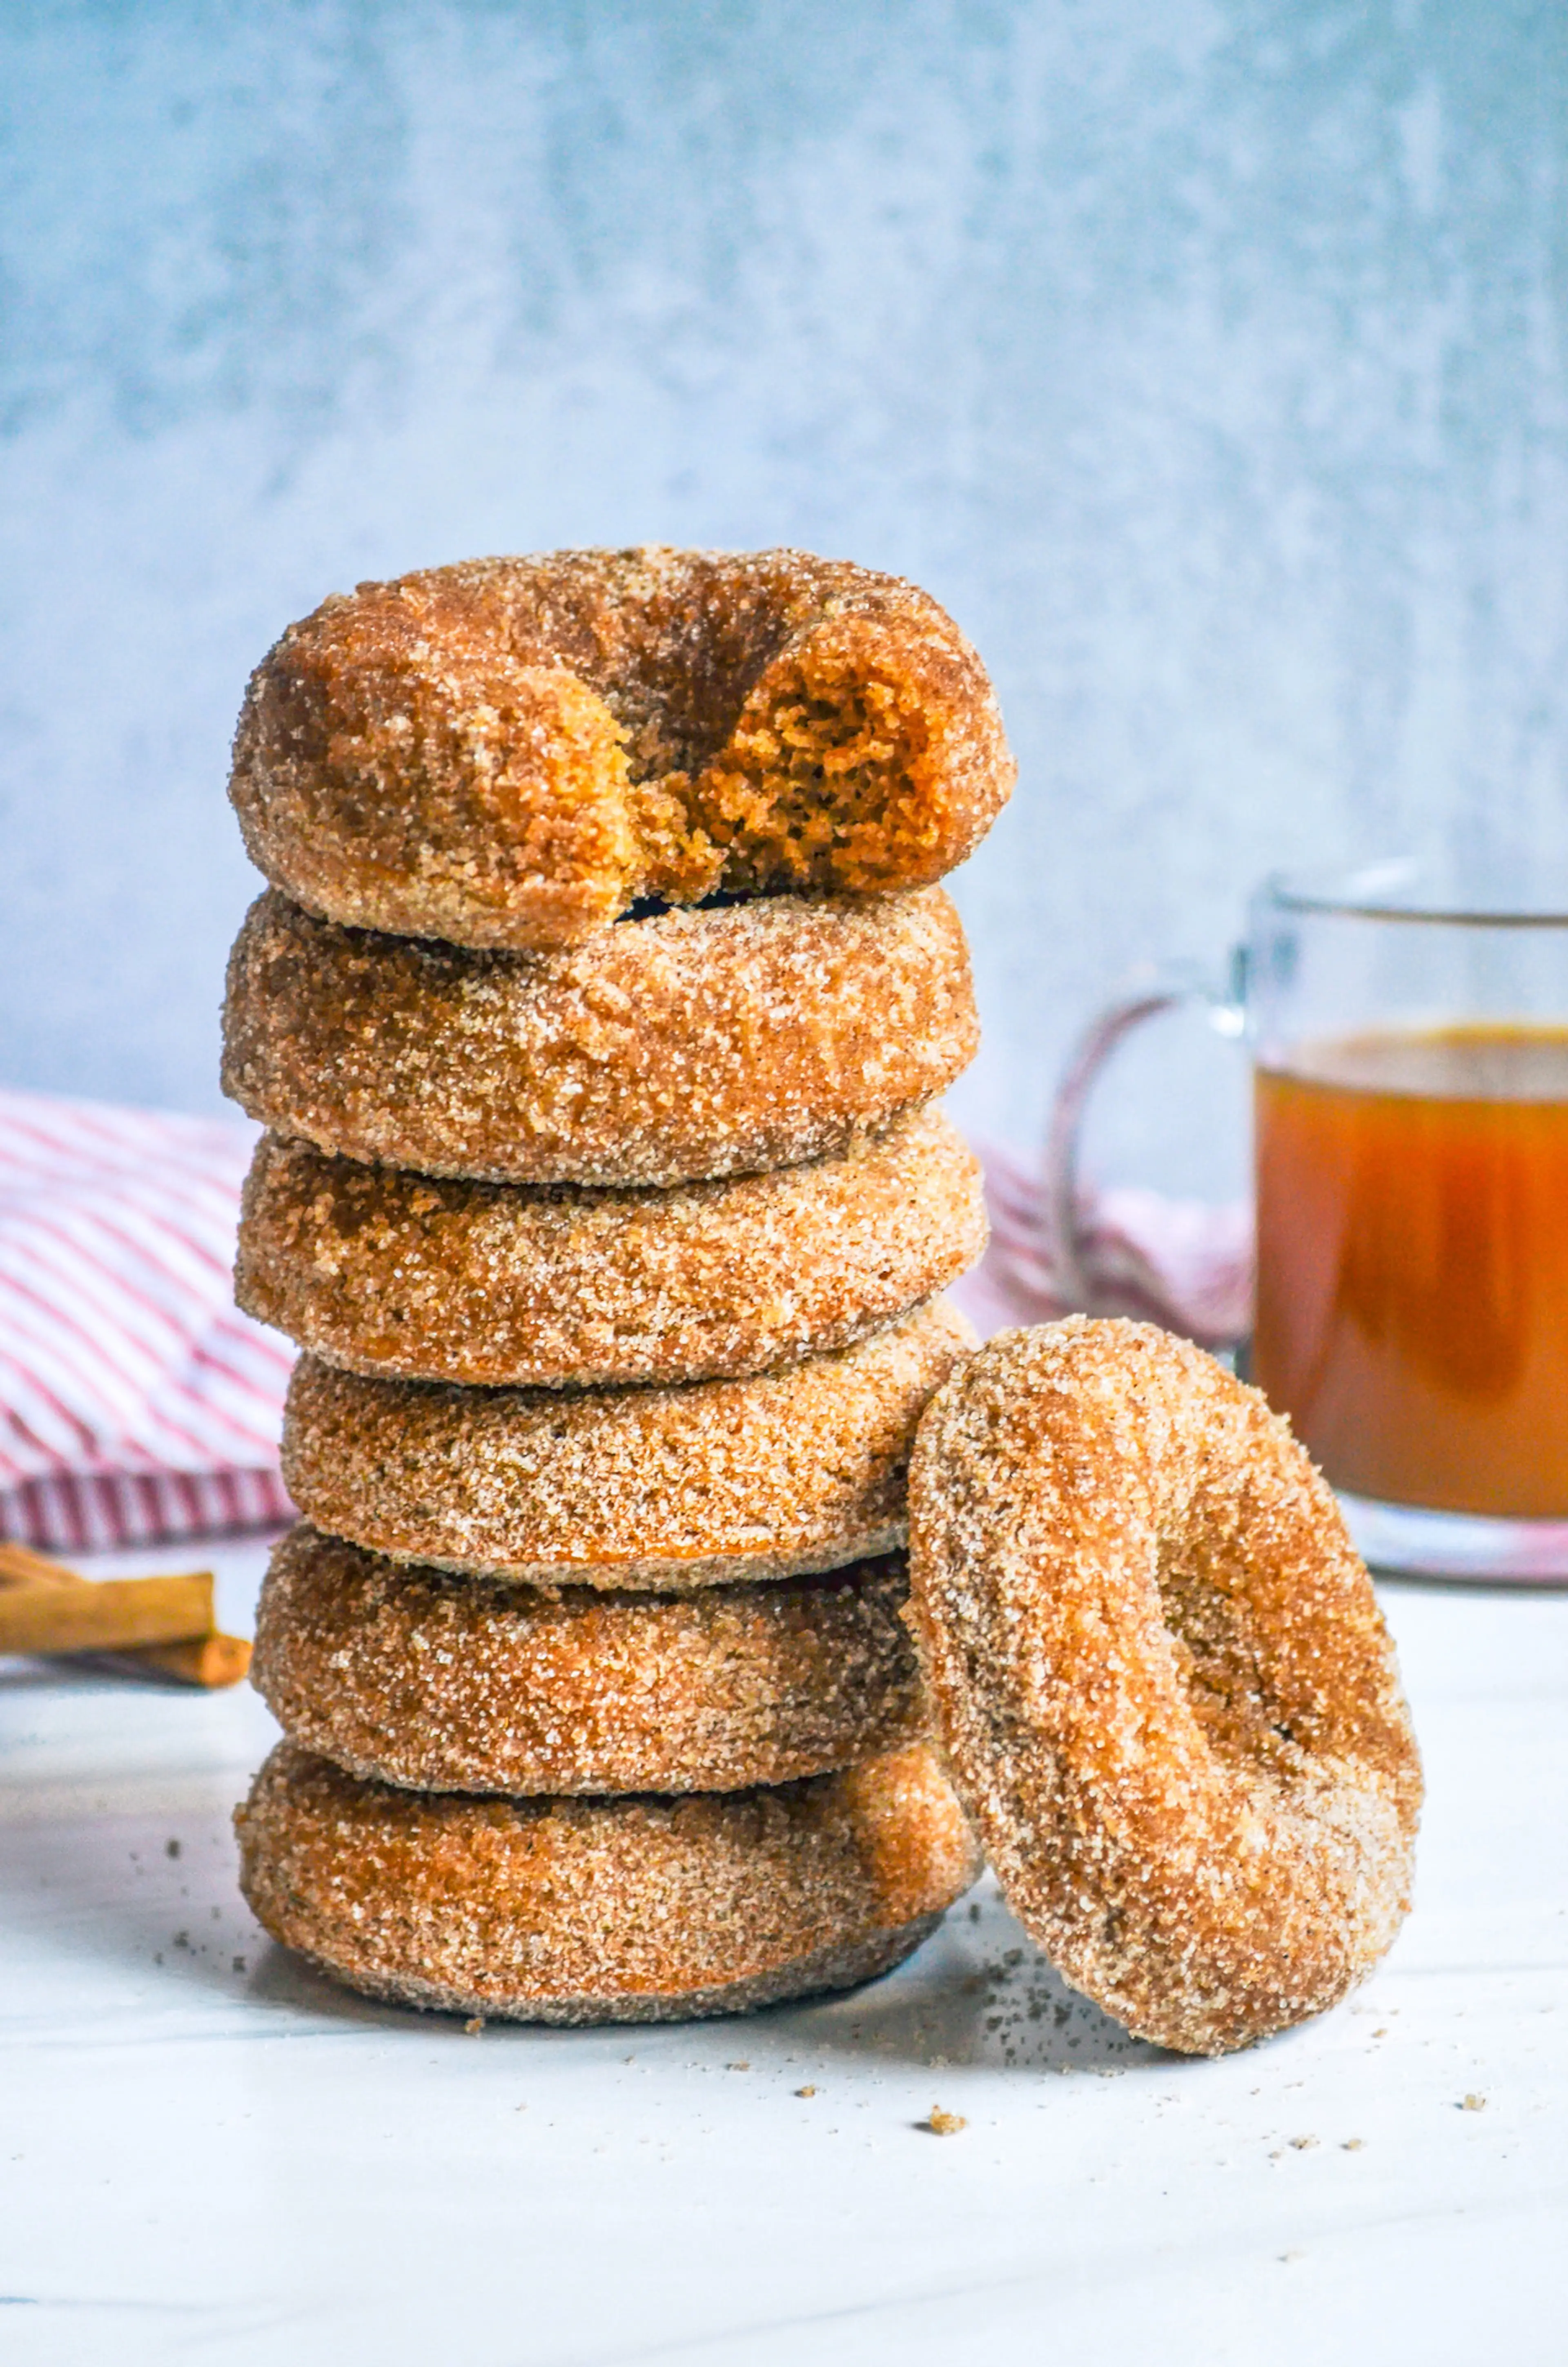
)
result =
(136, 1401)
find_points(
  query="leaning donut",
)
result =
(508, 752)
(798, 1469)
(1164, 1688)
(419, 1278)
(461, 1684)
(642, 1910)
(689, 1045)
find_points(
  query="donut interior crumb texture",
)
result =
(631, 1910)
(665, 1049)
(511, 751)
(1166, 1690)
(802, 1468)
(423, 1278)
(463, 1684)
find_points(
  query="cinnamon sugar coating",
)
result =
(1163, 1684)
(422, 1278)
(463, 1684)
(798, 1469)
(638, 1909)
(689, 1045)
(510, 752)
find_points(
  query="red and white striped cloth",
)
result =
(136, 1401)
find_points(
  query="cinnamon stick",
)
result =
(210, 1661)
(161, 1627)
(19, 1565)
(104, 1616)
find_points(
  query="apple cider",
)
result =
(1413, 1263)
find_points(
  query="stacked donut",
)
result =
(596, 1011)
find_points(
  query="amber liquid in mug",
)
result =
(1412, 1264)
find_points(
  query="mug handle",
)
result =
(1063, 1197)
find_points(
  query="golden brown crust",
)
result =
(1165, 1691)
(640, 1909)
(798, 1469)
(509, 752)
(694, 1043)
(419, 1278)
(418, 1678)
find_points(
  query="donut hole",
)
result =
(1218, 1655)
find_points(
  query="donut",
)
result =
(642, 1910)
(665, 1049)
(798, 1469)
(425, 1278)
(510, 752)
(1164, 1688)
(466, 1684)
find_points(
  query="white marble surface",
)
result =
(206, 2153)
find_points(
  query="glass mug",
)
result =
(1410, 1099)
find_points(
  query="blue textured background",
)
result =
(1208, 362)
